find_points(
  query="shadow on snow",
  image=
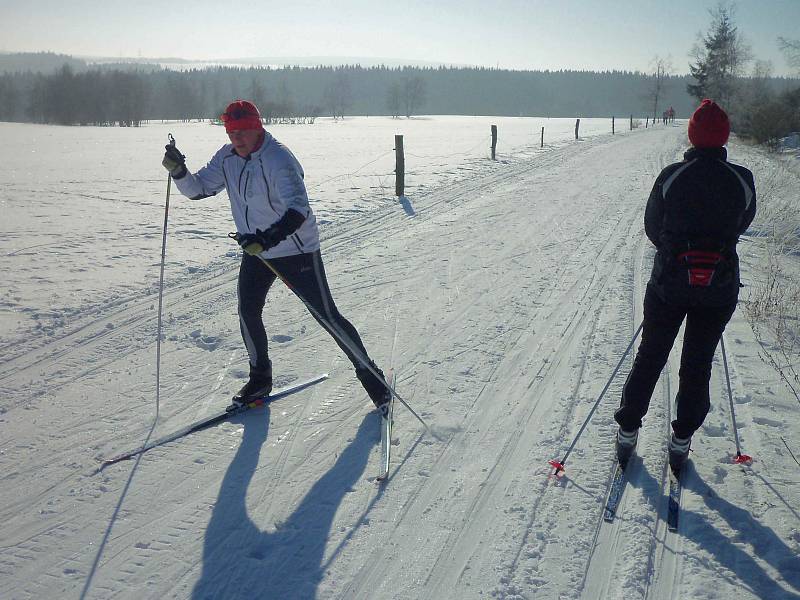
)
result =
(726, 549)
(242, 561)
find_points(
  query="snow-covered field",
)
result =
(502, 293)
(83, 207)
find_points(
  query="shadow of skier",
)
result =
(240, 561)
(764, 541)
(727, 549)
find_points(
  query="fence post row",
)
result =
(399, 167)
(400, 161)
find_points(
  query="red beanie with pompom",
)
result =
(709, 126)
(241, 114)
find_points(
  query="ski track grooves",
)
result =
(461, 542)
(601, 572)
(557, 328)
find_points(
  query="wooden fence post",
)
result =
(612, 126)
(631, 122)
(399, 167)
(494, 140)
(542, 146)
(577, 126)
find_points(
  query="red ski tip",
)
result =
(557, 465)
(743, 459)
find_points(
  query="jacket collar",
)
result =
(692, 153)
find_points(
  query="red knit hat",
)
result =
(241, 114)
(709, 126)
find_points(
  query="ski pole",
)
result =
(558, 465)
(739, 458)
(161, 287)
(340, 336)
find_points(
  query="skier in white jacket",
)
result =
(275, 225)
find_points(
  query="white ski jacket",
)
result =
(261, 188)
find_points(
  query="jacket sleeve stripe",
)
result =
(748, 193)
(672, 177)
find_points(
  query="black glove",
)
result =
(258, 242)
(174, 161)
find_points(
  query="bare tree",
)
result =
(284, 107)
(413, 94)
(258, 94)
(759, 89)
(394, 99)
(659, 81)
(339, 95)
(791, 49)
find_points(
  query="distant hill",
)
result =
(274, 62)
(38, 62)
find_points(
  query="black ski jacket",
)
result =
(701, 203)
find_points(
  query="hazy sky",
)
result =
(515, 34)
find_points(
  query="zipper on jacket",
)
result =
(266, 185)
(243, 194)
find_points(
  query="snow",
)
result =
(502, 293)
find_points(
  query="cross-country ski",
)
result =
(212, 420)
(387, 423)
(674, 501)
(615, 491)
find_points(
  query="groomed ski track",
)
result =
(505, 300)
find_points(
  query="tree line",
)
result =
(127, 95)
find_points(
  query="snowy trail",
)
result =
(502, 305)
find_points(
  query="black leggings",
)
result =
(304, 274)
(704, 327)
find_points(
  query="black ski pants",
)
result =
(704, 327)
(305, 276)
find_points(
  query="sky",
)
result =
(511, 34)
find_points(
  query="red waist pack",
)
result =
(701, 265)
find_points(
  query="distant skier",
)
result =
(695, 214)
(274, 221)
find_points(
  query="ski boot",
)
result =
(258, 386)
(376, 388)
(678, 452)
(625, 445)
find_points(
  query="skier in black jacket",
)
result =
(696, 212)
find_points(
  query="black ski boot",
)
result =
(678, 452)
(625, 445)
(258, 386)
(376, 388)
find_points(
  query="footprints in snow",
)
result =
(212, 342)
